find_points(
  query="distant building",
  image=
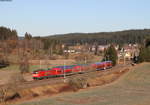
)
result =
(69, 51)
(129, 51)
(100, 47)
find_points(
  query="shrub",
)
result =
(78, 83)
(9, 91)
(3, 62)
(3, 93)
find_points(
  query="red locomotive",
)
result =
(72, 69)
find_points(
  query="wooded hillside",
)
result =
(120, 37)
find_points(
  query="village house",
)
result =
(129, 51)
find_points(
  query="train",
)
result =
(59, 71)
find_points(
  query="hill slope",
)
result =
(131, 89)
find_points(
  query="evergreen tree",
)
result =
(28, 36)
(14, 35)
(147, 42)
(111, 54)
(6, 33)
(144, 55)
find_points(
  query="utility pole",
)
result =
(124, 58)
(85, 60)
(64, 72)
(40, 63)
(105, 64)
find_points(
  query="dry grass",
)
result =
(131, 89)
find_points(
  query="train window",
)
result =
(35, 72)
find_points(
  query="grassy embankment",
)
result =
(131, 89)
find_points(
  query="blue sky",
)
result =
(47, 17)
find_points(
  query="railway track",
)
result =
(52, 81)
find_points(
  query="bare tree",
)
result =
(24, 64)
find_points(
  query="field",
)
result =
(131, 89)
(5, 73)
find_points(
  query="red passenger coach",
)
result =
(80, 68)
(102, 65)
(108, 64)
(63, 69)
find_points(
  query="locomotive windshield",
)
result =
(35, 72)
